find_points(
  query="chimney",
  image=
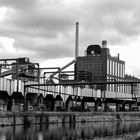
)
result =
(104, 44)
(77, 40)
(118, 56)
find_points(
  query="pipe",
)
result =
(58, 71)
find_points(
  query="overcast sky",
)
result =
(44, 30)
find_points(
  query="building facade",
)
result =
(99, 66)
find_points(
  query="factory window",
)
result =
(107, 66)
(110, 84)
(123, 70)
(116, 68)
(118, 86)
(110, 67)
(112, 87)
(123, 87)
(108, 87)
(120, 72)
(113, 67)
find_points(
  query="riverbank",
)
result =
(29, 118)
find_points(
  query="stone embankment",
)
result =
(26, 118)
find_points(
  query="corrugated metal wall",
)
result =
(11, 86)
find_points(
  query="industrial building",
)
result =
(99, 66)
(99, 81)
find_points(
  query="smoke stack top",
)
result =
(104, 44)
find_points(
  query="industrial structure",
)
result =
(99, 66)
(95, 82)
(98, 82)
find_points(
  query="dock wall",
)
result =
(65, 117)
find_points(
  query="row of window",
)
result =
(123, 88)
(115, 87)
(116, 69)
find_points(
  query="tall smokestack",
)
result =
(77, 40)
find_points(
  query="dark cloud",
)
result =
(47, 48)
(47, 27)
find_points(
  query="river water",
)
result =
(79, 131)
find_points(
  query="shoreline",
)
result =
(29, 118)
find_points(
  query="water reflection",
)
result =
(87, 131)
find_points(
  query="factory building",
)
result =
(99, 66)
(96, 66)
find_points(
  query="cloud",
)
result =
(34, 28)
(112, 17)
(18, 4)
(46, 29)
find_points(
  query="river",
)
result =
(80, 131)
